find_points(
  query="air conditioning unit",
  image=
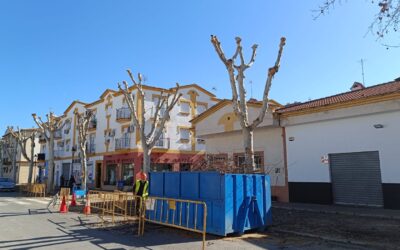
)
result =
(200, 140)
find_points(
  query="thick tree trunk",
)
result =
(146, 159)
(50, 167)
(31, 162)
(248, 139)
(84, 168)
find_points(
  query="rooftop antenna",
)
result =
(362, 70)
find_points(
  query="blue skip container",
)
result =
(235, 202)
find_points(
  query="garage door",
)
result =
(356, 178)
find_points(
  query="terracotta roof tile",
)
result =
(376, 90)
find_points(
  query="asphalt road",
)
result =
(25, 223)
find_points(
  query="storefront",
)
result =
(119, 170)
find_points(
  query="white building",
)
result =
(344, 149)
(20, 167)
(222, 133)
(114, 151)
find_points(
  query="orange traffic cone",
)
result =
(73, 201)
(86, 209)
(63, 206)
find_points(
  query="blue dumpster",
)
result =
(235, 202)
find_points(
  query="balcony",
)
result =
(123, 115)
(122, 143)
(57, 134)
(162, 143)
(92, 125)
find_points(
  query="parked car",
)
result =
(7, 184)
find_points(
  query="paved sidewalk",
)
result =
(344, 210)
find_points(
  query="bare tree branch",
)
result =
(271, 73)
(385, 21)
(239, 101)
(148, 140)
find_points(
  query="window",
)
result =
(153, 109)
(200, 108)
(67, 145)
(160, 142)
(258, 158)
(185, 108)
(92, 145)
(155, 99)
(184, 134)
(127, 174)
(184, 167)
(111, 172)
(93, 121)
(161, 167)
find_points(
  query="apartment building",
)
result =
(114, 151)
(13, 164)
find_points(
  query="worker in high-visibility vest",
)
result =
(141, 186)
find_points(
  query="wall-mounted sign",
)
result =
(325, 159)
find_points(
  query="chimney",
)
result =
(357, 86)
(253, 100)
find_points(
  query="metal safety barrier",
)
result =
(34, 189)
(188, 215)
(121, 206)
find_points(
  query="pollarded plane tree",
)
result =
(83, 120)
(236, 74)
(163, 108)
(48, 129)
(22, 137)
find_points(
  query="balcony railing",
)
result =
(57, 134)
(93, 124)
(123, 114)
(162, 143)
(122, 143)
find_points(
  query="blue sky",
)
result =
(53, 52)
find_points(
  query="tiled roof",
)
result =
(376, 90)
